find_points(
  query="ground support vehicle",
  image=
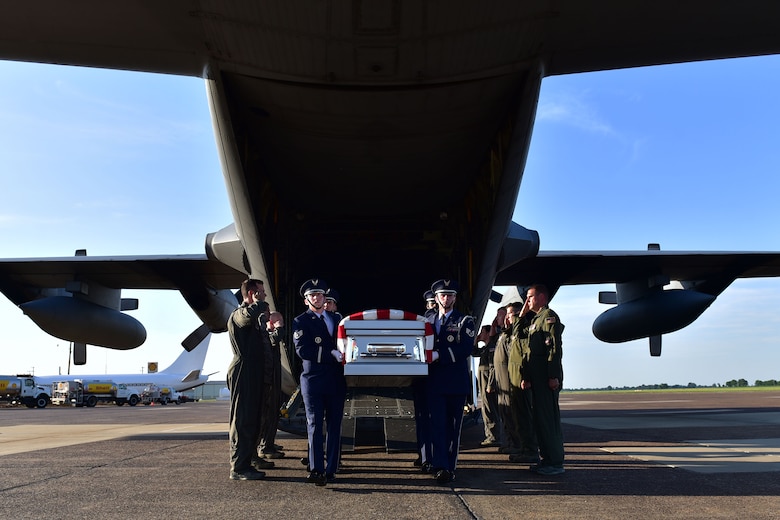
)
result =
(22, 389)
(161, 395)
(126, 394)
(77, 392)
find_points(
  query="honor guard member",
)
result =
(422, 418)
(332, 303)
(248, 340)
(430, 302)
(540, 331)
(448, 378)
(322, 382)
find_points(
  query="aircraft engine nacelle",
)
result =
(225, 246)
(651, 315)
(213, 307)
(80, 321)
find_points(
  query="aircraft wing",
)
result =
(557, 268)
(79, 298)
(22, 279)
(656, 292)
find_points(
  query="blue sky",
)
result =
(683, 155)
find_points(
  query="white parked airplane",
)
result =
(184, 373)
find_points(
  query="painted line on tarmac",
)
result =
(711, 456)
(26, 438)
(662, 419)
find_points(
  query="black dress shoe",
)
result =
(443, 476)
(317, 478)
(426, 467)
(330, 477)
(417, 462)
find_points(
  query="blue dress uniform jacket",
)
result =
(322, 385)
(454, 342)
(448, 387)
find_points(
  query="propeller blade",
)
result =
(79, 353)
(655, 345)
(195, 337)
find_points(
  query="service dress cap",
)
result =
(428, 296)
(332, 294)
(315, 285)
(445, 286)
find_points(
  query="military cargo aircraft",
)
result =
(410, 115)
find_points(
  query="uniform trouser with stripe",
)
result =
(324, 407)
(446, 421)
(422, 421)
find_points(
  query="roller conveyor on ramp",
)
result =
(385, 412)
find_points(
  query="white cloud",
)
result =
(573, 110)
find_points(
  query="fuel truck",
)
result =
(23, 389)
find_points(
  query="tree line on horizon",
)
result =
(734, 383)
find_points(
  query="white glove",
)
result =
(338, 355)
(434, 355)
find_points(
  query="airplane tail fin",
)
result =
(189, 361)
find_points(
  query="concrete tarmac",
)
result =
(643, 455)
